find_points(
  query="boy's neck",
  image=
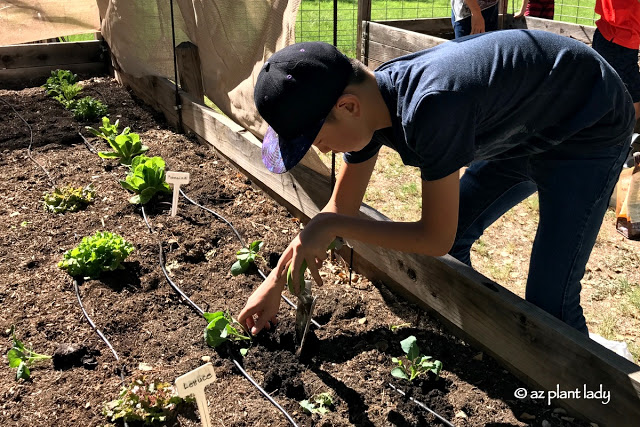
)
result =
(377, 112)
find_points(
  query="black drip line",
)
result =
(200, 311)
(178, 105)
(53, 184)
(422, 405)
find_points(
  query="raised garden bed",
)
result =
(148, 323)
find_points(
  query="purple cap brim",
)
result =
(280, 155)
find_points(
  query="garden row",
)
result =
(157, 336)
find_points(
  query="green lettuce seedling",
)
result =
(57, 79)
(107, 131)
(246, 257)
(104, 251)
(125, 147)
(88, 108)
(147, 401)
(146, 178)
(22, 358)
(220, 329)
(69, 199)
(320, 405)
(417, 365)
(66, 95)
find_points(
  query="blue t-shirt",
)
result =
(498, 95)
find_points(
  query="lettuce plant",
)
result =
(146, 178)
(125, 147)
(321, 404)
(57, 79)
(417, 365)
(66, 94)
(107, 131)
(151, 402)
(220, 329)
(68, 198)
(104, 251)
(88, 108)
(246, 257)
(22, 358)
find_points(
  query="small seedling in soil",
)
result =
(88, 109)
(149, 401)
(107, 131)
(57, 79)
(417, 365)
(66, 95)
(402, 325)
(321, 404)
(125, 146)
(146, 178)
(69, 198)
(246, 257)
(22, 358)
(104, 251)
(220, 329)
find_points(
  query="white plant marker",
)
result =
(177, 179)
(193, 383)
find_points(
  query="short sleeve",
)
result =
(365, 154)
(442, 133)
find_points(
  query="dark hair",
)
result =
(358, 76)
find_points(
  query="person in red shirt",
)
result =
(617, 40)
(537, 9)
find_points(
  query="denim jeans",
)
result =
(574, 187)
(462, 27)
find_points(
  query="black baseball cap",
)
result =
(295, 91)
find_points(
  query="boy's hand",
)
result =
(263, 304)
(310, 245)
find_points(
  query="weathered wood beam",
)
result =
(189, 71)
(536, 347)
(364, 15)
(30, 64)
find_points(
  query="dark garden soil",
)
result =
(147, 323)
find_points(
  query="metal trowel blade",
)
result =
(304, 312)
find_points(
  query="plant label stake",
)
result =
(193, 383)
(177, 179)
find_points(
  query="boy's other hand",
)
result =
(262, 306)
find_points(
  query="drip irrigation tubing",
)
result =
(76, 286)
(200, 311)
(423, 406)
(53, 184)
(287, 300)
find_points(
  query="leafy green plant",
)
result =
(220, 329)
(104, 251)
(58, 78)
(107, 131)
(417, 365)
(66, 94)
(149, 401)
(88, 108)
(69, 198)
(146, 178)
(321, 404)
(125, 147)
(246, 257)
(22, 358)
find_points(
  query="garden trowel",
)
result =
(304, 312)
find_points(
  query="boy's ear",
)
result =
(348, 104)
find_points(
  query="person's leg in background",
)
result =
(488, 189)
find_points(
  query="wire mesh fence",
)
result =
(315, 17)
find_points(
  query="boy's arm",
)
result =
(262, 306)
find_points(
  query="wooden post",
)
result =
(364, 14)
(189, 73)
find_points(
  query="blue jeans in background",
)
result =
(462, 27)
(574, 187)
